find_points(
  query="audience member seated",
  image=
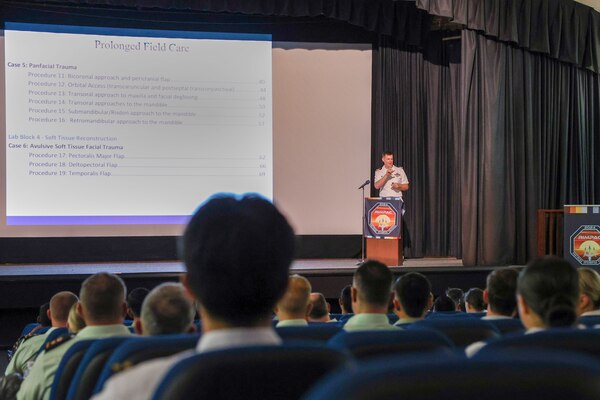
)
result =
(547, 296)
(293, 308)
(166, 310)
(474, 302)
(413, 298)
(457, 295)
(444, 304)
(75, 323)
(237, 253)
(57, 313)
(371, 294)
(345, 300)
(102, 307)
(135, 299)
(589, 293)
(500, 293)
(320, 309)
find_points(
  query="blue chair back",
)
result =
(88, 371)
(585, 341)
(139, 349)
(590, 321)
(319, 332)
(462, 331)
(260, 372)
(507, 325)
(368, 344)
(545, 376)
(67, 367)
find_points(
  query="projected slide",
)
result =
(115, 126)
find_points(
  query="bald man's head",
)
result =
(60, 304)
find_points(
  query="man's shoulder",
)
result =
(57, 343)
(141, 380)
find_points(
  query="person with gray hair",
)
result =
(166, 310)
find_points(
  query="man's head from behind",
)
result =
(413, 296)
(295, 303)
(237, 253)
(135, 298)
(166, 310)
(501, 292)
(102, 300)
(345, 300)
(371, 288)
(320, 309)
(60, 305)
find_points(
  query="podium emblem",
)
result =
(584, 245)
(383, 218)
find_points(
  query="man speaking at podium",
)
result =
(390, 180)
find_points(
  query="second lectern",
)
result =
(383, 229)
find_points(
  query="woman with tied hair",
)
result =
(589, 292)
(548, 294)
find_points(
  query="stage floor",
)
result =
(327, 266)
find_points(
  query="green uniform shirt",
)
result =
(364, 322)
(26, 352)
(39, 381)
(292, 322)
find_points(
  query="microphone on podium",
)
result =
(364, 184)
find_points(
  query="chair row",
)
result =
(88, 364)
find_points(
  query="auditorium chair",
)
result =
(368, 344)
(88, 371)
(67, 367)
(590, 321)
(547, 376)
(507, 325)
(585, 341)
(461, 331)
(139, 349)
(251, 373)
(320, 332)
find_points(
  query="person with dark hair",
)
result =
(371, 294)
(43, 319)
(474, 302)
(237, 254)
(57, 312)
(166, 310)
(135, 299)
(390, 180)
(293, 308)
(457, 295)
(548, 294)
(444, 304)
(501, 293)
(345, 300)
(547, 297)
(413, 298)
(102, 307)
(320, 309)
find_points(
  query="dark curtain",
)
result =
(563, 29)
(530, 139)
(415, 114)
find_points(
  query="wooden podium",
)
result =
(383, 230)
(388, 251)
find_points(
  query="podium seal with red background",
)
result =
(384, 218)
(582, 235)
